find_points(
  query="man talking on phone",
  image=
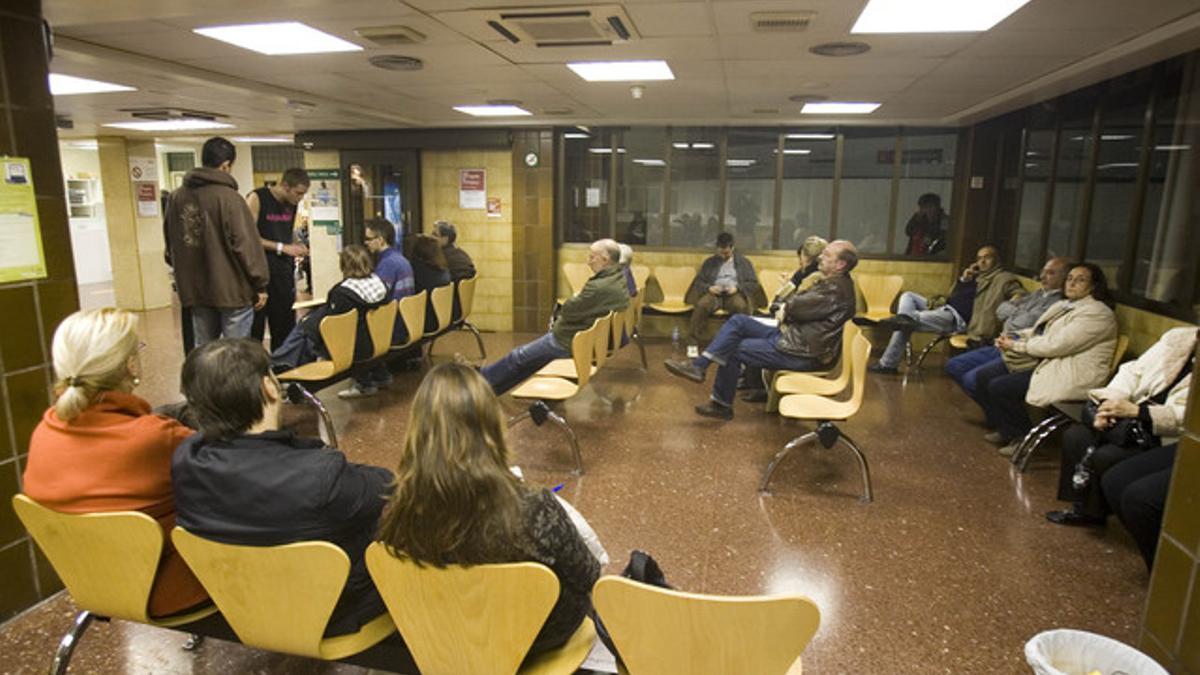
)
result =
(969, 307)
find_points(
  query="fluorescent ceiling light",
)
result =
(605, 151)
(492, 110)
(1118, 165)
(811, 137)
(796, 151)
(262, 139)
(285, 37)
(622, 71)
(1115, 137)
(703, 146)
(67, 85)
(741, 162)
(575, 134)
(838, 108)
(933, 16)
(1172, 148)
(170, 125)
(649, 162)
(82, 145)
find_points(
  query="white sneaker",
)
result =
(354, 391)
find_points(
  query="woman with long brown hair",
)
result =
(457, 503)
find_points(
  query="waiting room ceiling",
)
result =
(726, 72)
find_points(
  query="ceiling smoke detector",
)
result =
(781, 22)
(637, 91)
(396, 62)
(840, 48)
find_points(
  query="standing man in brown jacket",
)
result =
(220, 267)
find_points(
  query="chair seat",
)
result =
(810, 407)
(561, 368)
(959, 341)
(310, 372)
(671, 307)
(567, 658)
(372, 633)
(548, 388)
(805, 383)
(877, 315)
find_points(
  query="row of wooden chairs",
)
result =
(480, 619)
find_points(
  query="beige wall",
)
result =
(323, 248)
(140, 275)
(487, 240)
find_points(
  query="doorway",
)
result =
(381, 184)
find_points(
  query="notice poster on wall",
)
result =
(143, 168)
(21, 254)
(493, 208)
(147, 198)
(472, 189)
(323, 199)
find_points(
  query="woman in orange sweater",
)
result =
(99, 447)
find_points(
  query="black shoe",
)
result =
(1074, 518)
(882, 369)
(715, 410)
(902, 322)
(755, 396)
(685, 369)
(864, 321)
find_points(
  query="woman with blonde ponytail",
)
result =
(100, 448)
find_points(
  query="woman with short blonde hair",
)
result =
(100, 448)
(457, 502)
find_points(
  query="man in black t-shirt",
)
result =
(274, 210)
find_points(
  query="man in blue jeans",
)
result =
(602, 293)
(1017, 314)
(808, 338)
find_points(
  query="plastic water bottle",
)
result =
(675, 350)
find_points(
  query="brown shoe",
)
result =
(685, 369)
(715, 410)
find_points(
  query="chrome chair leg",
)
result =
(547, 414)
(478, 338)
(942, 337)
(1027, 439)
(637, 338)
(792, 444)
(62, 657)
(297, 394)
(867, 495)
(1057, 423)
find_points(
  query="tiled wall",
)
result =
(533, 230)
(1171, 626)
(31, 310)
(488, 240)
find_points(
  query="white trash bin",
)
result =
(1077, 652)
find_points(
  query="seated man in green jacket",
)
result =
(603, 293)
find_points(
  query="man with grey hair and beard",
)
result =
(604, 292)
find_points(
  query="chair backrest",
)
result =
(771, 281)
(630, 316)
(442, 299)
(601, 344)
(107, 561)
(879, 290)
(663, 631)
(617, 328)
(849, 332)
(583, 351)
(641, 273)
(859, 354)
(577, 275)
(466, 296)
(480, 619)
(338, 332)
(1119, 352)
(674, 281)
(274, 597)
(381, 321)
(412, 313)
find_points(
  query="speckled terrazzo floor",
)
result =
(950, 570)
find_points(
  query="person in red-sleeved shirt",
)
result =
(100, 448)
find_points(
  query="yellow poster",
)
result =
(21, 254)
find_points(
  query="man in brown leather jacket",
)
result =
(809, 337)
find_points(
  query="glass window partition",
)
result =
(926, 167)
(585, 188)
(1075, 144)
(695, 215)
(806, 202)
(641, 170)
(865, 195)
(750, 187)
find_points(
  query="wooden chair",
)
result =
(480, 619)
(603, 348)
(411, 309)
(788, 382)
(338, 332)
(584, 350)
(465, 301)
(826, 411)
(641, 274)
(660, 631)
(674, 282)
(107, 561)
(280, 597)
(576, 275)
(771, 283)
(381, 321)
(879, 291)
(441, 301)
(1061, 414)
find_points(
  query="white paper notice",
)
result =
(472, 189)
(143, 168)
(18, 240)
(593, 197)
(600, 659)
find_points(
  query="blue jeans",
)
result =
(523, 362)
(745, 341)
(298, 348)
(941, 320)
(1001, 394)
(964, 368)
(211, 323)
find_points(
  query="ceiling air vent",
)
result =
(780, 22)
(390, 36)
(575, 26)
(171, 114)
(396, 62)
